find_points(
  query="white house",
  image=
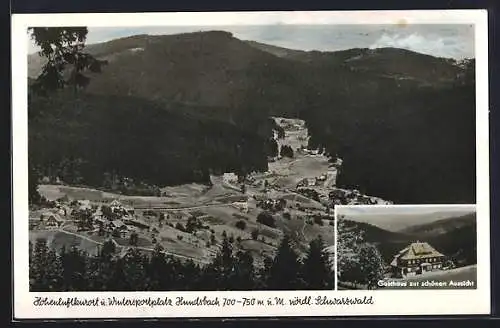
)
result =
(230, 178)
(242, 206)
(52, 220)
(84, 205)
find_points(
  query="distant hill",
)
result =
(455, 237)
(405, 223)
(396, 63)
(277, 51)
(372, 233)
(211, 69)
(441, 226)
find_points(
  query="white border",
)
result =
(421, 302)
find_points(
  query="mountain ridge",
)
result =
(363, 116)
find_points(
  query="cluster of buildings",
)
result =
(312, 182)
(113, 217)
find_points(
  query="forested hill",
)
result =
(86, 139)
(403, 122)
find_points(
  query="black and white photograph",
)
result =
(400, 247)
(213, 158)
(213, 152)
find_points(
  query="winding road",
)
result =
(138, 247)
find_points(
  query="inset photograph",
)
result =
(406, 247)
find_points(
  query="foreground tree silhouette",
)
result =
(63, 47)
(219, 275)
(286, 268)
(372, 265)
(244, 277)
(46, 270)
(316, 270)
(74, 269)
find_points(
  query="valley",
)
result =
(215, 209)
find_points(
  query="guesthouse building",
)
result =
(417, 258)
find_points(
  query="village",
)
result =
(297, 196)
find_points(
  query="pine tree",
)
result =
(134, 269)
(134, 239)
(75, 270)
(63, 47)
(101, 267)
(53, 272)
(347, 253)
(219, 274)
(372, 265)
(244, 277)
(286, 268)
(317, 272)
(119, 281)
(190, 276)
(157, 270)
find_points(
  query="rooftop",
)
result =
(418, 250)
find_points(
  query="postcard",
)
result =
(250, 164)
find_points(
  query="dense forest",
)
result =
(75, 270)
(402, 141)
(98, 140)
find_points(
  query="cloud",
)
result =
(437, 40)
(435, 45)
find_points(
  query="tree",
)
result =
(33, 180)
(266, 218)
(372, 265)
(219, 275)
(179, 226)
(255, 234)
(241, 225)
(347, 251)
(286, 268)
(244, 278)
(63, 47)
(272, 148)
(46, 269)
(135, 269)
(75, 270)
(157, 270)
(317, 272)
(133, 239)
(286, 151)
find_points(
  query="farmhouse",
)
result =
(51, 219)
(117, 224)
(63, 210)
(417, 258)
(84, 205)
(229, 178)
(242, 206)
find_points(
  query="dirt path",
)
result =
(138, 247)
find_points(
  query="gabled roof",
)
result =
(118, 223)
(115, 203)
(49, 215)
(418, 250)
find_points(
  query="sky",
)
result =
(443, 40)
(394, 218)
